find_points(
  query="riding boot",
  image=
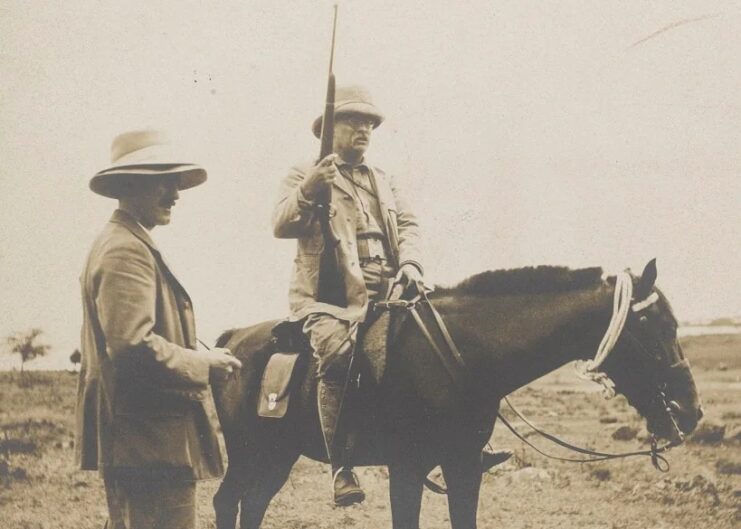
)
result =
(344, 481)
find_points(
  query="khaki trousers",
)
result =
(150, 504)
(333, 340)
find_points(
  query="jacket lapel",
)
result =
(125, 219)
(341, 183)
(185, 305)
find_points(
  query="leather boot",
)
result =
(344, 481)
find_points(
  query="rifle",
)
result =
(331, 287)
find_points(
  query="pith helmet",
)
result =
(139, 155)
(351, 100)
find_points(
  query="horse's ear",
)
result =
(647, 280)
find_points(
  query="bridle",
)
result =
(590, 369)
(454, 364)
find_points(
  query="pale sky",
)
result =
(529, 133)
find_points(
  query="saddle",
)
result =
(375, 338)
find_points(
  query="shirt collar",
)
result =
(121, 216)
(342, 163)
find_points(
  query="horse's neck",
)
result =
(509, 341)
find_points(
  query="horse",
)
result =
(511, 327)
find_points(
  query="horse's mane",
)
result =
(527, 280)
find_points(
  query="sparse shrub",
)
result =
(601, 474)
(726, 466)
(17, 446)
(708, 432)
(625, 433)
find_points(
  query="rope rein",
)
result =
(589, 369)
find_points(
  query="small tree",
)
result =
(23, 344)
(75, 357)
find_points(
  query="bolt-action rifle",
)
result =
(331, 288)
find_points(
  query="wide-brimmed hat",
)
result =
(139, 155)
(351, 100)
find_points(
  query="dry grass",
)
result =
(40, 488)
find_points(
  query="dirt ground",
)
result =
(40, 488)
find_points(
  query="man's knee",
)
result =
(335, 366)
(332, 341)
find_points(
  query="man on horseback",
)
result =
(379, 245)
(379, 239)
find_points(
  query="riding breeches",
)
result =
(333, 340)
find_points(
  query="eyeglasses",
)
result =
(357, 122)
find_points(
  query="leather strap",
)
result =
(454, 373)
(446, 334)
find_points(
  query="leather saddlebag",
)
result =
(275, 387)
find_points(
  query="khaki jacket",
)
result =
(140, 404)
(294, 218)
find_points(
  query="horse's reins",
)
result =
(456, 366)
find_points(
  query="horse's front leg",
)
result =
(405, 488)
(462, 474)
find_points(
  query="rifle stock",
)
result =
(331, 287)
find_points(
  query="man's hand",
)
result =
(319, 177)
(222, 362)
(408, 275)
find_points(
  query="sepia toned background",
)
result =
(576, 133)
(573, 133)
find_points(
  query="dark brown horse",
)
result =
(511, 328)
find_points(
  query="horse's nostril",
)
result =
(700, 413)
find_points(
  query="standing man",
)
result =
(379, 241)
(141, 415)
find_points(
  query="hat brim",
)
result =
(364, 109)
(112, 181)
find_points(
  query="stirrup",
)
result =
(490, 459)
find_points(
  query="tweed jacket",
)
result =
(140, 403)
(295, 218)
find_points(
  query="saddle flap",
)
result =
(375, 345)
(379, 337)
(275, 386)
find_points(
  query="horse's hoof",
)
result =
(492, 459)
(347, 489)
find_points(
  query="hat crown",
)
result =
(351, 99)
(136, 140)
(352, 94)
